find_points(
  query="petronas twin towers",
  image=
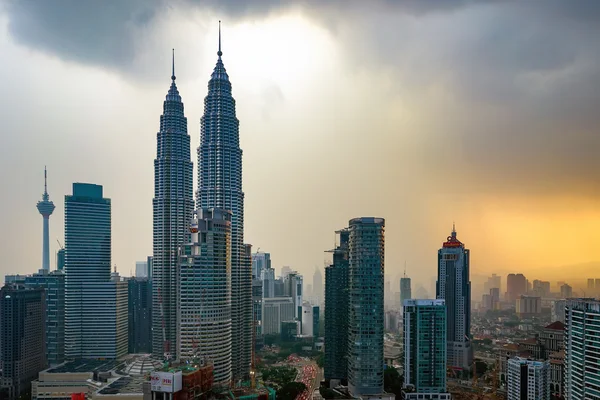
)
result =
(219, 186)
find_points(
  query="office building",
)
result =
(528, 379)
(257, 298)
(54, 285)
(597, 284)
(139, 315)
(582, 324)
(204, 302)
(541, 288)
(425, 348)
(267, 278)
(60, 259)
(307, 320)
(317, 288)
(405, 289)
(590, 285)
(278, 288)
(293, 287)
(454, 286)
(558, 310)
(366, 248)
(45, 208)
(260, 262)
(172, 208)
(516, 285)
(566, 291)
(22, 338)
(495, 298)
(336, 310)
(142, 268)
(492, 282)
(528, 306)
(220, 185)
(95, 299)
(275, 311)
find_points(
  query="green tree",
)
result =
(290, 390)
(393, 382)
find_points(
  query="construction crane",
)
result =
(60, 245)
(167, 354)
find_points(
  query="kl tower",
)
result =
(45, 207)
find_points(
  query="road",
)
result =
(308, 373)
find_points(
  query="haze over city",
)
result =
(479, 113)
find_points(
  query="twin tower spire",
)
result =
(219, 53)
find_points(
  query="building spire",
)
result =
(173, 67)
(453, 229)
(219, 53)
(405, 268)
(45, 184)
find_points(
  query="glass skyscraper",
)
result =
(220, 186)
(139, 312)
(336, 311)
(454, 286)
(172, 208)
(204, 293)
(95, 305)
(425, 345)
(582, 341)
(405, 290)
(365, 311)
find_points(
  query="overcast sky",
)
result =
(422, 112)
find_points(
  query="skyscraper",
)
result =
(257, 299)
(172, 208)
(260, 262)
(293, 287)
(22, 338)
(95, 300)
(425, 348)
(317, 287)
(454, 286)
(528, 379)
(204, 293)
(54, 285)
(139, 312)
(336, 311)
(516, 285)
(582, 324)
(46, 208)
(365, 307)
(405, 289)
(220, 185)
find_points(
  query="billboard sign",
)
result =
(166, 382)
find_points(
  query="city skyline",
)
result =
(485, 207)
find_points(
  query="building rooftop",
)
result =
(557, 326)
(142, 366)
(85, 365)
(124, 385)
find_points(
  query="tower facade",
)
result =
(528, 379)
(453, 285)
(220, 186)
(46, 208)
(172, 208)
(405, 290)
(204, 293)
(95, 302)
(336, 311)
(425, 345)
(139, 312)
(365, 307)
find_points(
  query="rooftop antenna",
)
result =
(173, 66)
(219, 53)
(405, 268)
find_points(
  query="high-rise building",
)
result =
(558, 310)
(260, 262)
(204, 317)
(275, 311)
(172, 207)
(405, 289)
(60, 259)
(278, 288)
(365, 307)
(528, 306)
(317, 289)
(541, 288)
(220, 185)
(582, 324)
(139, 315)
(95, 300)
(425, 348)
(528, 379)
(566, 291)
(454, 286)
(257, 299)
(307, 320)
(336, 311)
(141, 269)
(597, 284)
(54, 285)
(516, 285)
(590, 285)
(267, 278)
(316, 321)
(22, 338)
(285, 270)
(495, 298)
(46, 208)
(293, 285)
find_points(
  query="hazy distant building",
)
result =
(558, 310)
(275, 311)
(141, 269)
(582, 324)
(516, 285)
(528, 379)
(494, 281)
(204, 299)
(425, 348)
(590, 285)
(308, 320)
(278, 288)
(405, 290)
(139, 311)
(366, 248)
(454, 286)
(260, 262)
(528, 306)
(317, 292)
(60, 259)
(54, 285)
(495, 298)
(257, 299)
(293, 283)
(541, 288)
(336, 310)
(22, 338)
(566, 291)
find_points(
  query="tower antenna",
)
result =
(173, 65)
(219, 53)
